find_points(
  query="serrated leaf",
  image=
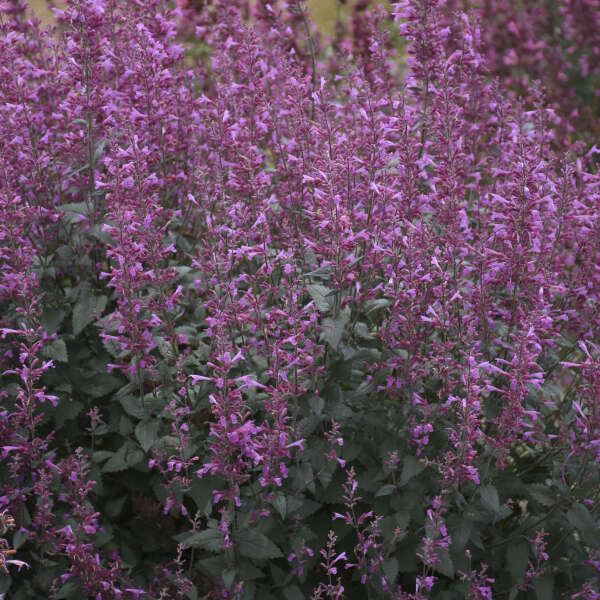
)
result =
(74, 212)
(165, 347)
(19, 538)
(333, 329)
(249, 592)
(386, 490)
(87, 309)
(100, 455)
(112, 347)
(132, 406)
(192, 593)
(390, 570)
(542, 494)
(280, 504)
(102, 385)
(490, 499)
(306, 477)
(51, 319)
(254, 544)
(247, 570)
(228, 578)
(517, 556)
(67, 410)
(544, 586)
(582, 519)
(316, 404)
(209, 539)
(213, 566)
(303, 508)
(70, 589)
(293, 592)
(320, 295)
(201, 489)
(377, 304)
(446, 565)
(461, 534)
(125, 457)
(99, 150)
(146, 433)
(114, 507)
(412, 467)
(117, 461)
(56, 351)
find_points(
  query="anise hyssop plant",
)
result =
(288, 315)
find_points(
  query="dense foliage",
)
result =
(287, 317)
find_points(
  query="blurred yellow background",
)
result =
(323, 12)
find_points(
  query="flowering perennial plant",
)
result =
(286, 315)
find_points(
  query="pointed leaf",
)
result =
(412, 467)
(87, 309)
(209, 539)
(490, 499)
(319, 294)
(146, 433)
(253, 544)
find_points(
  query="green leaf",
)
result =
(213, 566)
(386, 490)
(254, 544)
(461, 534)
(74, 212)
(101, 385)
(445, 566)
(165, 347)
(377, 304)
(390, 570)
(580, 517)
(249, 592)
(541, 493)
(316, 404)
(67, 410)
(114, 507)
(412, 467)
(280, 504)
(146, 433)
(51, 319)
(132, 406)
(490, 499)
(228, 578)
(247, 570)
(112, 347)
(201, 490)
(517, 556)
(544, 587)
(19, 538)
(333, 329)
(125, 457)
(56, 351)
(71, 589)
(99, 150)
(293, 592)
(87, 309)
(192, 593)
(209, 539)
(100, 455)
(320, 295)
(306, 476)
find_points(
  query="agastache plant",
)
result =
(247, 265)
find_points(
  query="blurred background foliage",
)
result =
(324, 12)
